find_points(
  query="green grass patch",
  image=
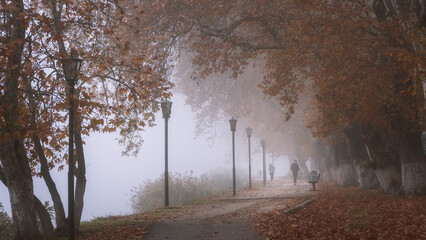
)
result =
(109, 222)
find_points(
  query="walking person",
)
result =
(295, 170)
(271, 171)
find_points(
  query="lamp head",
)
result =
(72, 66)
(233, 123)
(249, 131)
(166, 108)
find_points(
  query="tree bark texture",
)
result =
(367, 178)
(361, 159)
(328, 167)
(61, 221)
(389, 179)
(413, 165)
(81, 180)
(388, 8)
(346, 174)
(45, 222)
(12, 149)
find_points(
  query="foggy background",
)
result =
(111, 176)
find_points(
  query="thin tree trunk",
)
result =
(81, 170)
(61, 221)
(81, 180)
(45, 220)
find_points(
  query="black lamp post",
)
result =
(249, 131)
(71, 66)
(233, 123)
(166, 107)
(264, 161)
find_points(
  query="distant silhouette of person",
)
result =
(271, 171)
(295, 170)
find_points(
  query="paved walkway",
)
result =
(228, 217)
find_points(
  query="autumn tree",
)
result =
(364, 67)
(117, 91)
(359, 56)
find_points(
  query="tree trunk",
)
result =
(346, 174)
(367, 178)
(44, 217)
(386, 162)
(304, 172)
(20, 186)
(81, 170)
(46, 225)
(325, 161)
(61, 221)
(81, 180)
(413, 165)
(389, 179)
(12, 149)
(361, 159)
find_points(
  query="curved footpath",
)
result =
(227, 217)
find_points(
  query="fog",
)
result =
(111, 176)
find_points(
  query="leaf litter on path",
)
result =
(348, 213)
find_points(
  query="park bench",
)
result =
(313, 179)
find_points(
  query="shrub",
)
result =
(182, 189)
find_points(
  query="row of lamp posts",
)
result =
(166, 107)
(233, 123)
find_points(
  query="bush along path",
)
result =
(346, 213)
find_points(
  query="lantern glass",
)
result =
(73, 65)
(249, 131)
(233, 123)
(263, 142)
(166, 108)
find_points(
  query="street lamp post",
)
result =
(249, 131)
(264, 161)
(71, 66)
(166, 107)
(233, 123)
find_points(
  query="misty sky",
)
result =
(110, 176)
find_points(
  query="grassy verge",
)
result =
(123, 227)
